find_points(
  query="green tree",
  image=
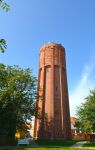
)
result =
(3, 45)
(86, 113)
(78, 126)
(5, 7)
(17, 98)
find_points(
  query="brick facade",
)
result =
(53, 117)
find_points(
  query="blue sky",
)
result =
(31, 23)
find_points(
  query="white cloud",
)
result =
(82, 89)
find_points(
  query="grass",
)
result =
(42, 149)
(88, 144)
(56, 142)
(47, 145)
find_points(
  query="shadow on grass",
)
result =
(88, 144)
(64, 143)
(44, 148)
(47, 145)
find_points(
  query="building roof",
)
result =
(73, 119)
(52, 44)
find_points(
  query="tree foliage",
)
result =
(86, 113)
(17, 98)
(5, 7)
(3, 45)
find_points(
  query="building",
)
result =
(52, 120)
(73, 128)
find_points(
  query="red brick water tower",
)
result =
(52, 120)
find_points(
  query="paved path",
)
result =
(79, 144)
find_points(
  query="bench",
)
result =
(23, 142)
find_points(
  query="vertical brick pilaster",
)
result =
(55, 117)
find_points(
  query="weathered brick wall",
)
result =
(81, 136)
(54, 105)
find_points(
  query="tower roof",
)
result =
(52, 44)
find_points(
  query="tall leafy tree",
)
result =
(86, 113)
(17, 98)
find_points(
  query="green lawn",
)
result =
(88, 144)
(42, 149)
(56, 142)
